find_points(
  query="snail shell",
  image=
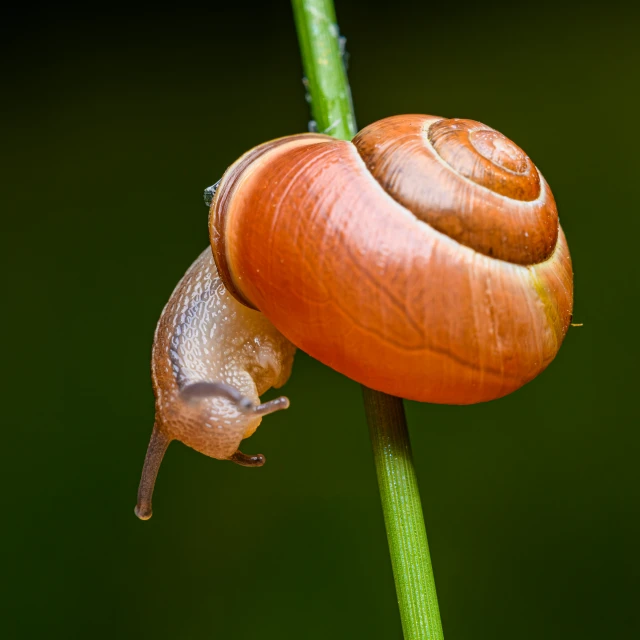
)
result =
(423, 259)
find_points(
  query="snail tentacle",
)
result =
(247, 460)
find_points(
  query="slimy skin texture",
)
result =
(205, 335)
(212, 359)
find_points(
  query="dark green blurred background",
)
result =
(114, 120)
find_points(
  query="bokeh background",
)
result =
(113, 122)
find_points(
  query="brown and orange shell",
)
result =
(423, 259)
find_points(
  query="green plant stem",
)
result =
(332, 109)
(325, 76)
(403, 518)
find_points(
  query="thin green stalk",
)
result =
(332, 109)
(403, 518)
(325, 76)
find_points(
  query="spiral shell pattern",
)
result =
(423, 259)
(434, 167)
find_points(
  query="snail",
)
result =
(424, 259)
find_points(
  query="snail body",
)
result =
(423, 259)
(212, 359)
